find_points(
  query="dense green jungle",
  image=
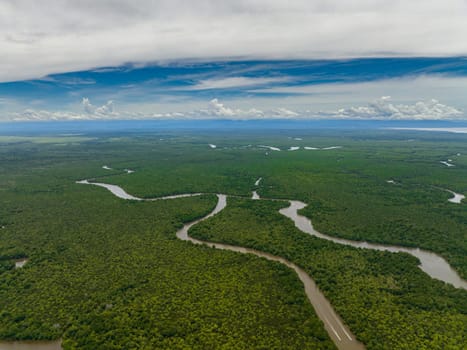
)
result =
(108, 273)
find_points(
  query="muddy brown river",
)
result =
(432, 264)
(337, 330)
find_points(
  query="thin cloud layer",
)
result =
(381, 109)
(52, 36)
(235, 82)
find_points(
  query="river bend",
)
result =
(430, 263)
(339, 333)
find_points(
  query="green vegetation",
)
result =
(346, 188)
(384, 298)
(110, 274)
(349, 196)
(106, 273)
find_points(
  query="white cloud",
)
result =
(90, 112)
(68, 80)
(235, 82)
(284, 113)
(380, 109)
(104, 110)
(42, 115)
(107, 109)
(383, 108)
(51, 36)
(87, 106)
(217, 109)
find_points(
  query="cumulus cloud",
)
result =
(104, 110)
(64, 36)
(383, 108)
(380, 109)
(107, 109)
(216, 109)
(87, 106)
(90, 112)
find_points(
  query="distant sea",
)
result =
(107, 126)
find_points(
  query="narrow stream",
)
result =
(121, 193)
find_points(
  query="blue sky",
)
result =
(233, 59)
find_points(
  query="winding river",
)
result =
(432, 264)
(337, 330)
(340, 334)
